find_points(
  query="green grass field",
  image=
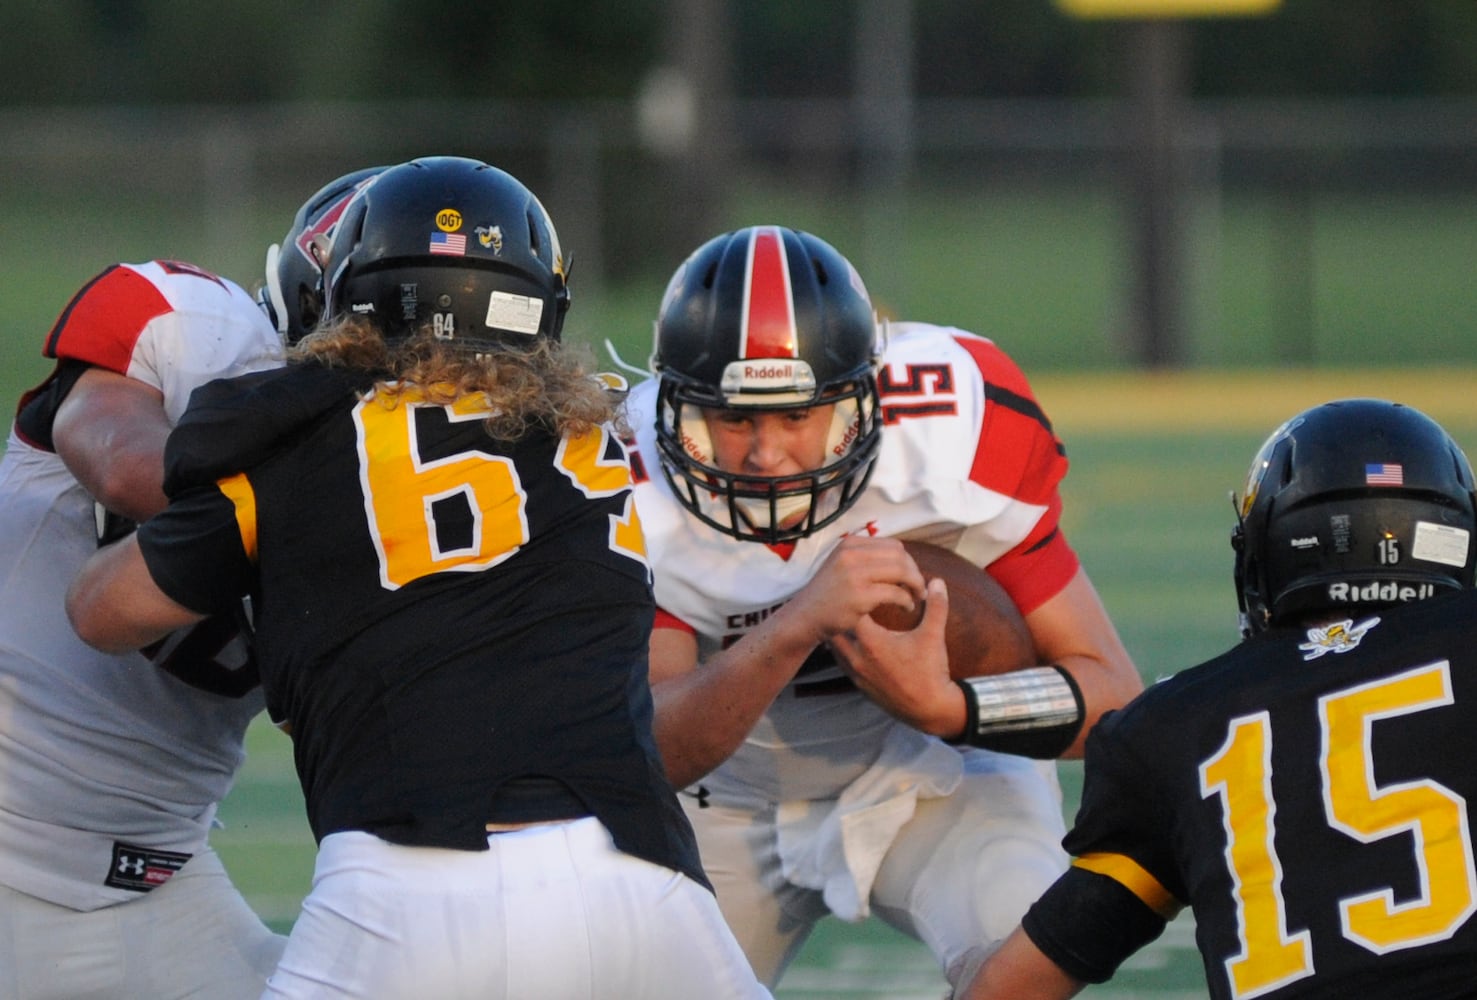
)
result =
(1153, 461)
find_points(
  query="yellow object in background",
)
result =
(1167, 8)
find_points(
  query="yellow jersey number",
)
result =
(401, 492)
(1435, 817)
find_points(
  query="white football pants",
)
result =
(551, 911)
(194, 936)
(958, 876)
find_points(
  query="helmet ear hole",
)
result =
(1287, 467)
(533, 234)
(308, 309)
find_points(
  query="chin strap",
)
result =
(624, 365)
(1036, 712)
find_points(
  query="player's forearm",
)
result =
(696, 726)
(1019, 971)
(115, 606)
(1104, 687)
(1072, 630)
(110, 432)
(703, 715)
(1040, 711)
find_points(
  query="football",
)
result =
(986, 634)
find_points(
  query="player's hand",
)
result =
(907, 673)
(859, 575)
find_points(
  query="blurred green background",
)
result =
(1298, 188)
(1185, 230)
(1037, 268)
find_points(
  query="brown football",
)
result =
(985, 633)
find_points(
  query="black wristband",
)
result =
(1036, 712)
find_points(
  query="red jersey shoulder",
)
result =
(997, 367)
(988, 407)
(1019, 452)
(946, 372)
(102, 323)
(919, 370)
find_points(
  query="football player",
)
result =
(431, 509)
(1309, 793)
(114, 764)
(832, 765)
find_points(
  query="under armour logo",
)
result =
(139, 869)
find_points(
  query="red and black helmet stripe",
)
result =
(767, 326)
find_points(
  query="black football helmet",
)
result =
(767, 318)
(1350, 506)
(453, 243)
(292, 294)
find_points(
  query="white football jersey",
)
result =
(967, 460)
(111, 767)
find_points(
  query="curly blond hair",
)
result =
(547, 385)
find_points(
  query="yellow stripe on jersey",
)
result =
(1129, 874)
(238, 490)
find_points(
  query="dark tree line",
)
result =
(232, 51)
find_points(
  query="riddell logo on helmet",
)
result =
(1377, 591)
(844, 444)
(770, 373)
(693, 449)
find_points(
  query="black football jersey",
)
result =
(435, 612)
(1310, 795)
